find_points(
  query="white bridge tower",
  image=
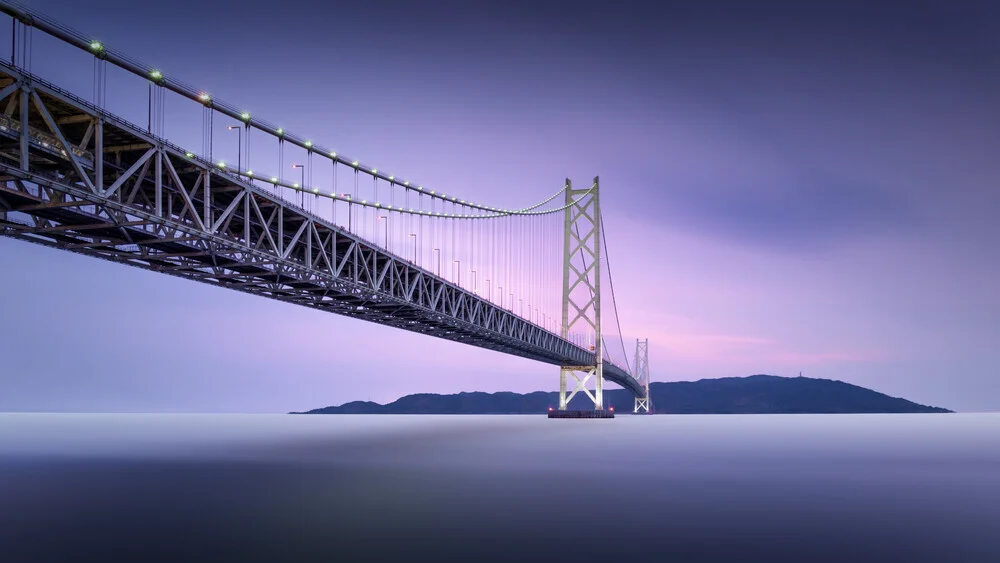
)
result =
(581, 295)
(642, 404)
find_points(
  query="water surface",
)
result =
(803, 488)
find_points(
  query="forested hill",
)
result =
(756, 394)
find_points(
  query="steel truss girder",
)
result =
(145, 204)
(445, 312)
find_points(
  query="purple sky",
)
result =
(784, 189)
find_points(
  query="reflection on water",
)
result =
(803, 488)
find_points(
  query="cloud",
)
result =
(811, 213)
(756, 353)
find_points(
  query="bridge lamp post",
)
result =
(302, 185)
(488, 294)
(474, 282)
(349, 214)
(438, 250)
(414, 235)
(239, 147)
(380, 218)
(457, 265)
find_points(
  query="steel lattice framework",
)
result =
(641, 371)
(581, 293)
(75, 177)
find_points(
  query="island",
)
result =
(755, 394)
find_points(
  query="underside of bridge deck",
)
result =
(77, 178)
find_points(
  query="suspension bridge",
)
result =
(338, 235)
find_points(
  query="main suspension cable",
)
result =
(611, 283)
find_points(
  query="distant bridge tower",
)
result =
(581, 295)
(642, 374)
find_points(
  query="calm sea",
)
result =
(802, 488)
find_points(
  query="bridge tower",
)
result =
(581, 292)
(643, 404)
